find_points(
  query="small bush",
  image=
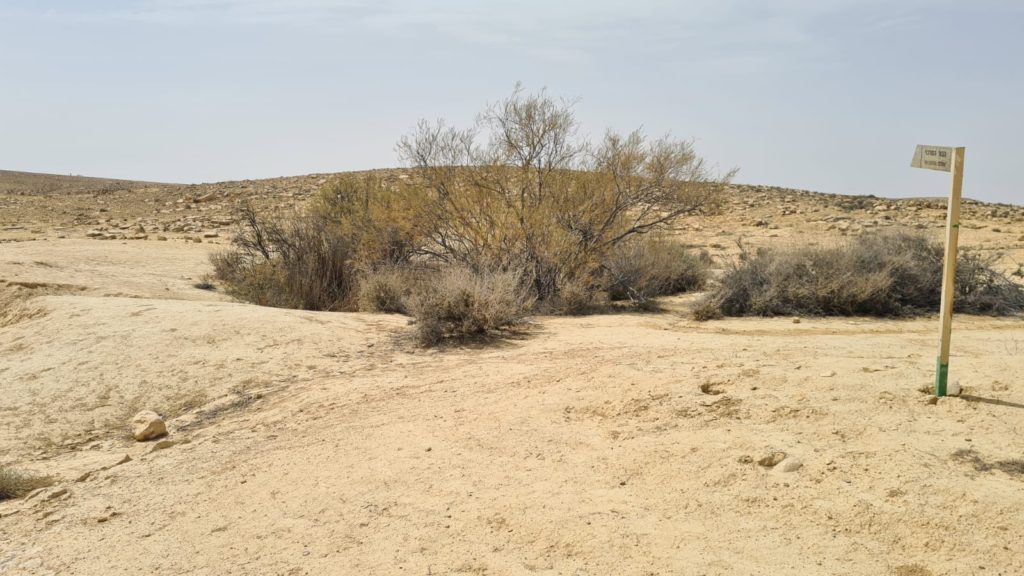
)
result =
(458, 302)
(16, 306)
(644, 268)
(575, 296)
(386, 290)
(302, 262)
(15, 484)
(886, 275)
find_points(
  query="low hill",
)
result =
(33, 184)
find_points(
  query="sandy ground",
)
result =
(318, 443)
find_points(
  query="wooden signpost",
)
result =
(946, 160)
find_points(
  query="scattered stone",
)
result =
(162, 445)
(796, 320)
(711, 388)
(772, 460)
(100, 467)
(47, 493)
(791, 465)
(828, 374)
(147, 425)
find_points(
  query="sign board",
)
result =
(945, 159)
(933, 158)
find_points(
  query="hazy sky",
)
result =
(816, 94)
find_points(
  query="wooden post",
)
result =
(949, 273)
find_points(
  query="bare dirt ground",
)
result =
(324, 443)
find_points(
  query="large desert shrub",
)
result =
(289, 262)
(457, 302)
(522, 190)
(517, 209)
(876, 275)
(645, 267)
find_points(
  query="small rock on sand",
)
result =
(147, 425)
(791, 465)
(772, 459)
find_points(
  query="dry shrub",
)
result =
(382, 220)
(288, 262)
(457, 302)
(15, 306)
(523, 190)
(15, 484)
(575, 296)
(519, 191)
(646, 267)
(388, 289)
(883, 275)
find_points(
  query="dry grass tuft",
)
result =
(16, 306)
(15, 484)
(387, 290)
(458, 303)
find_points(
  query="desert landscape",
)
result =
(624, 442)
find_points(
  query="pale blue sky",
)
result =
(816, 94)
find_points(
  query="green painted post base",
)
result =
(941, 377)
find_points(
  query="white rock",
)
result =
(147, 425)
(790, 465)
